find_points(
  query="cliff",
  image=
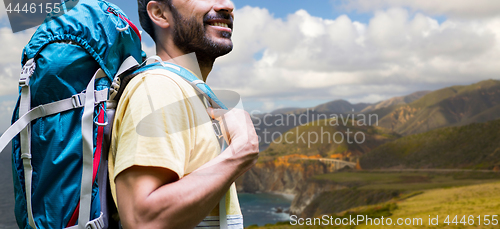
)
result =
(282, 175)
(289, 175)
(309, 191)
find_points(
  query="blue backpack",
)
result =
(58, 157)
(61, 123)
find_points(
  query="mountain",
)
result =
(293, 117)
(338, 137)
(285, 110)
(415, 113)
(451, 106)
(284, 119)
(340, 107)
(474, 146)
(395, 101)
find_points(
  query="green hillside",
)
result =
(327, 139)
(370, 187)
(400, 100)
(457, 105)
(474, 146)
(477, 200)
(489, 114)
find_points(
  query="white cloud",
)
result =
(397, 52)
(12, 45)
(456, 8)
(3, 13)
(10, 61)
(6, 108)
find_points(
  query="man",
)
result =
(176, 180)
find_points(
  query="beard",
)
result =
(191, 36)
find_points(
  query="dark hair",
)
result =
(144, 19)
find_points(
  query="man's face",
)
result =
(203, 26)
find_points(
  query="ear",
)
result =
(158, 13)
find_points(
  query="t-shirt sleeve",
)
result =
(154, 125)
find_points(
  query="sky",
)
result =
(295, 53)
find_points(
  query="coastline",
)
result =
(287, 196)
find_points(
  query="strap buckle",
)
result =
(26, 72)
(216, 126)
(76, 100)
(24, 81)
(101, 96)
(96, 223)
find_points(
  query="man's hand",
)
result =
(238, 130)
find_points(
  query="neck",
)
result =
(198, 64)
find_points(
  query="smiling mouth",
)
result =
(220, 24)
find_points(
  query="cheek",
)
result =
(198, 9)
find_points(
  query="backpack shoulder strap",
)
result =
(199, 85)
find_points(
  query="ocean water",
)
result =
(261, 208)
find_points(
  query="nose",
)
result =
(224, 5)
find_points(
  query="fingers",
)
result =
(238, 130)
(216, 113)
(234, 122)
(210, 112)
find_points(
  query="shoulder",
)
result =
(163, 80)
(160, 87)
(160, 91)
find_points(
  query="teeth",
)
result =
(220, 24)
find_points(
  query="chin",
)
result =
(226, 44)
(222, 44)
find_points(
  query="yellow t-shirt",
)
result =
(161, 122)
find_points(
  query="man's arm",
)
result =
(155, 197)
